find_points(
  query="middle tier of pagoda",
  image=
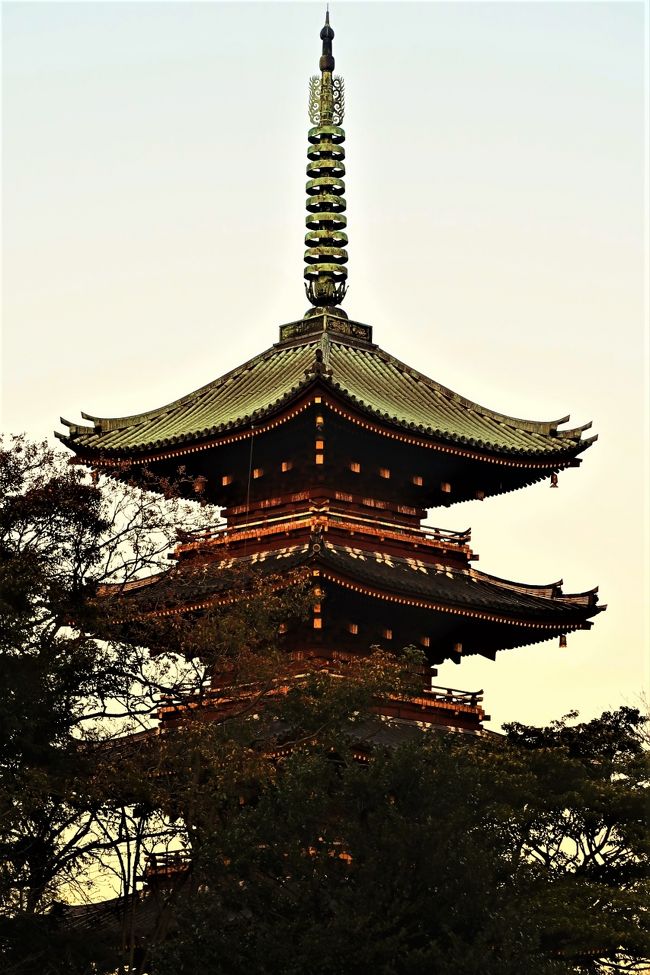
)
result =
(373, 586)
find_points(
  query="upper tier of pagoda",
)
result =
(414, 443)
(461, 450)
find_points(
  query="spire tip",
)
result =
(325, 257)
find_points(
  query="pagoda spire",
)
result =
(326, 257)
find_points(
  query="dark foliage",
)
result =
(317, 841)
(448, 854)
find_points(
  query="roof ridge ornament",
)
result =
(325, 257)
(320, 363)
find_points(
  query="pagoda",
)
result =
(325, 452)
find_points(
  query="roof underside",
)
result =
(371, 381)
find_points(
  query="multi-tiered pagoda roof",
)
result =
(326, 452)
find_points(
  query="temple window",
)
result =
(257, 472)
(320, 458)
(286, 465)
(418, 480)
(353, 628)
(445, 487)
(387, 633)
(384, 472)
(226, 480)
(425, 641)
(320, 445)
(355, 467)
(318, 624)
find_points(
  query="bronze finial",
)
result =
(325, 257)
(326, 62)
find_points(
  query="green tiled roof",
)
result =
(358, 372)
(395, 393)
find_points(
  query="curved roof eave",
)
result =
(366, 378)
(531, 613)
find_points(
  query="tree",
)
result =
(61, 688)
(445, 854)
(84, 785)
(65, 693)
(301, 832)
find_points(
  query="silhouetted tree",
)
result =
(302, 832)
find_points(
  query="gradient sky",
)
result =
(153, 173)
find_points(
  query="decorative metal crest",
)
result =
(339, 99)
(338, 91)
(314, 99)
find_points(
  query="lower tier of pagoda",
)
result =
(395, 716)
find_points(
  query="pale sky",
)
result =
(153, 178)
